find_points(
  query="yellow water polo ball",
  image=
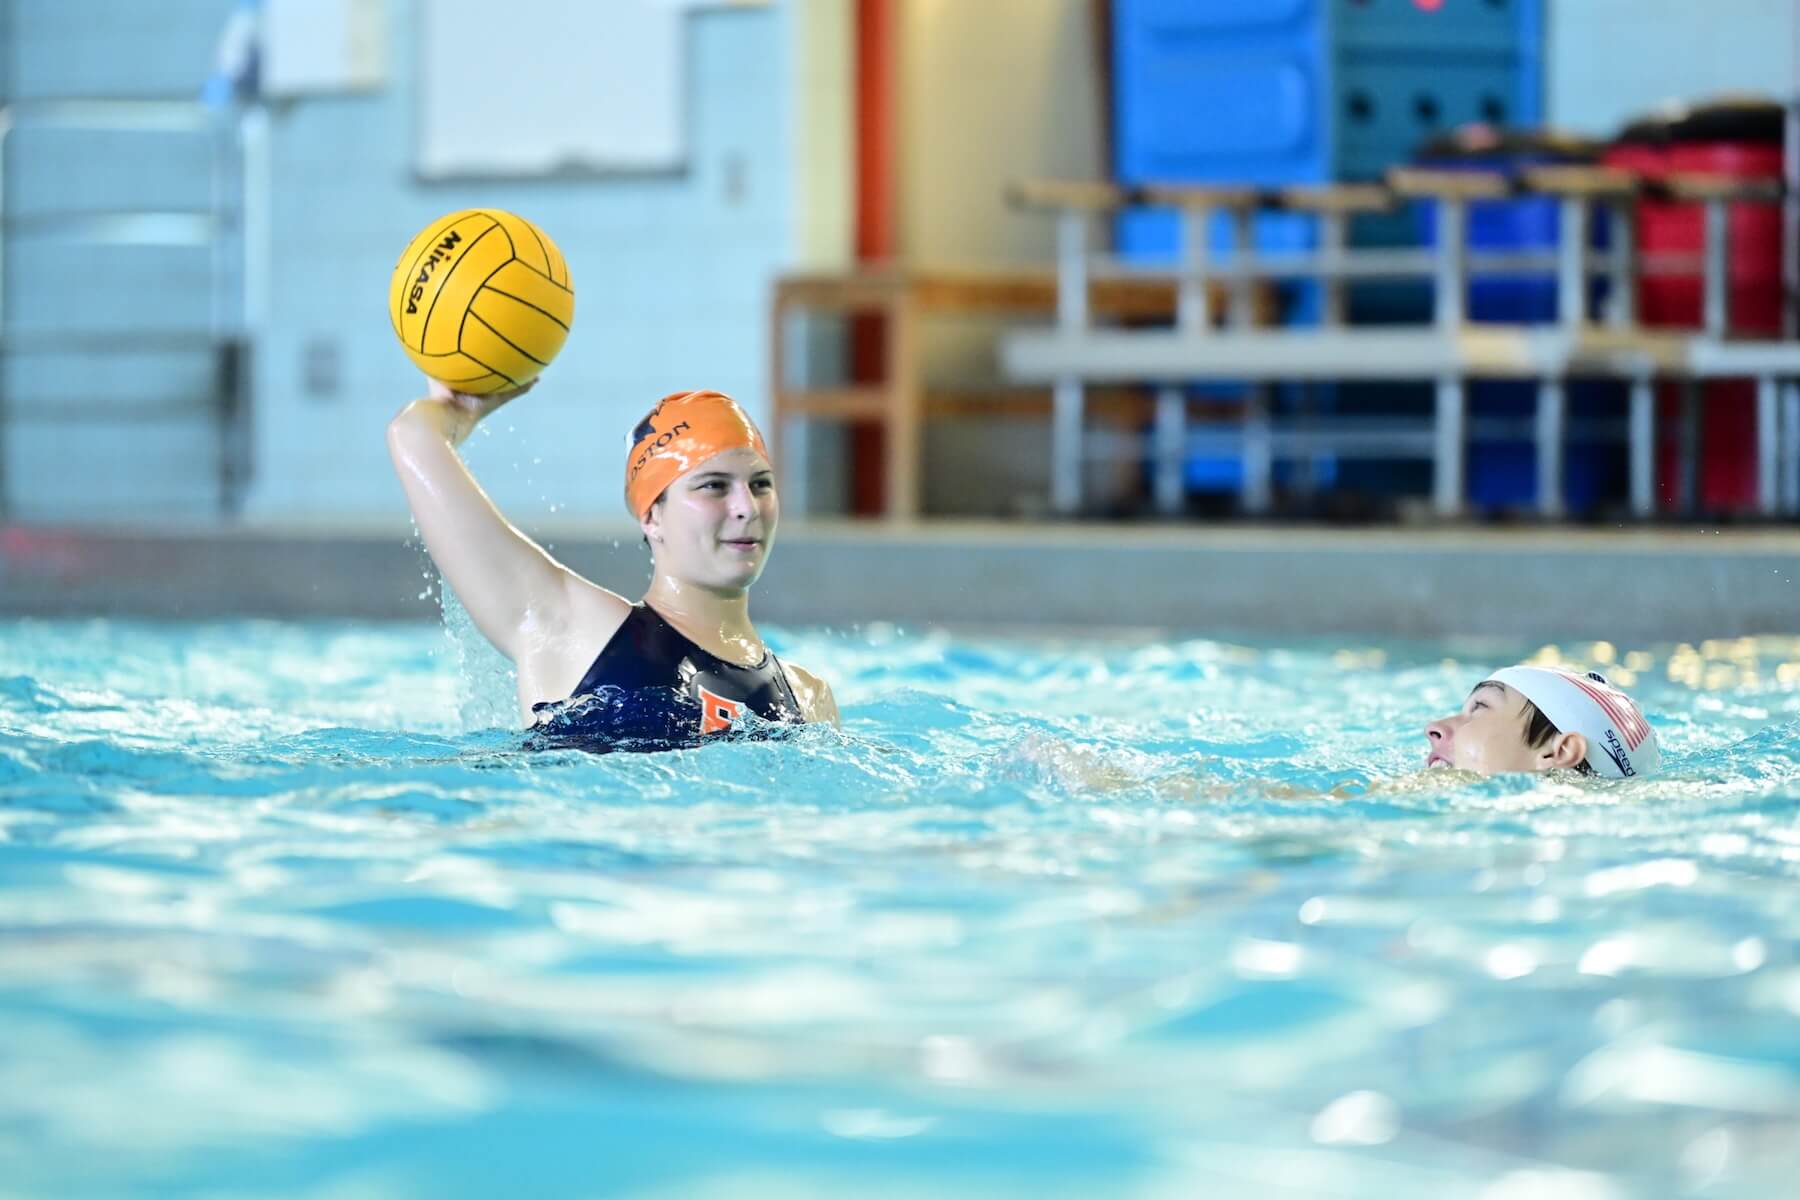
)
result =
(482, 300)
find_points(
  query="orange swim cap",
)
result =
(681, 432)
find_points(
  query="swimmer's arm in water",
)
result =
(817, 704)
(1080, 768)
(523, 601)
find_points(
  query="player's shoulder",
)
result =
(813, 692)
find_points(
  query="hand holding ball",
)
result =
(481, 301)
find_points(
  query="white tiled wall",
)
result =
(671, 278)
(671, 272)
(131, 48)
(1611, 60)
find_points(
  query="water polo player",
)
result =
(682, 664)
(1543, 718)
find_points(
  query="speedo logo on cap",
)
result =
(1616, 705)
(1616, 752)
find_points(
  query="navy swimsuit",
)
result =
(650, 688)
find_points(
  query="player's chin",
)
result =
(741, 571)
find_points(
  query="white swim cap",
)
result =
(1620, 742)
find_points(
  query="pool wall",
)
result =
(1630, 585)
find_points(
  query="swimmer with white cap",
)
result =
(1518, 720)
(1527, 719)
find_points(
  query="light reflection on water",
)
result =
(1048, 918)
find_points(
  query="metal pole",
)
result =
(1643, 447)
(1067, 396)
(1447, 456)
(1621, 313)
(1768, 434)
(1193, 311)
(1071, 270)
(1718, 261)
(1334, 239)
(1716, 320)
(1622, 297)
(1259, 451)
(1065, 445)
(1452, 264)
(796, 454)
(1450, 306)
(1571, 262)
(1571, 313)
(1243, 291)
(1332, 226)
(1552, 417)
(1171, 443)
(1790, 467)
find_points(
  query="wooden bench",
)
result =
(904, 297)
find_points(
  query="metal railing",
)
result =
(1449, 350)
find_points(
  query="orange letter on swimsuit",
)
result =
(717, 713)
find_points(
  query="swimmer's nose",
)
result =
(1437, 734)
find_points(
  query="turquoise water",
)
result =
(279, 917)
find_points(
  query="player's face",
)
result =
(1487, 736)
(714, 526)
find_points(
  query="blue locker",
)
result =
(1305, 91)
(1277, 92)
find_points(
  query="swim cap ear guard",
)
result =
(1620, 742)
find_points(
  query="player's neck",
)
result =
(718, 621)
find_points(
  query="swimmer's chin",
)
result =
(1437, 765)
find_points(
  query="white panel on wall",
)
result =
(314, 46)
(549, 87)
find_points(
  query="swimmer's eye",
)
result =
(763, 484)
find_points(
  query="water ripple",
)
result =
(281, 912)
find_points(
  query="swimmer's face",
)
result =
(714, 526)
(1488, 737)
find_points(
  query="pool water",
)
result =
(283, 913)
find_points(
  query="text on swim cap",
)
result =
(660, 443)
(1616, 752)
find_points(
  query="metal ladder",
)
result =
(124, 391)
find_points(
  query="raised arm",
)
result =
(514, 591)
